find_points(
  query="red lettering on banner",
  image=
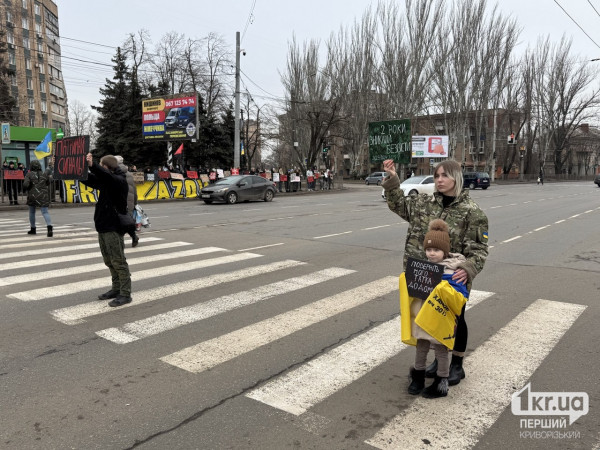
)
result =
(164, 174)
(13, 174)
(283, 177)
(212, 176)
(192, 174)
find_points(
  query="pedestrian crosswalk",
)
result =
(35, 271)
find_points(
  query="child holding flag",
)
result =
(433, 321)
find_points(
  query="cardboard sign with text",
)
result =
(422, 277)
(69, 158)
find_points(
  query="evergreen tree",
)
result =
(113, 112)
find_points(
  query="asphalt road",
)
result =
(275, 325)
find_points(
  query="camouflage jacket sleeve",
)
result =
(475, 242)
(396, 200)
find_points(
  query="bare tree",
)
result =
(564, 98)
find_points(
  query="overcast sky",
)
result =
(267, 27)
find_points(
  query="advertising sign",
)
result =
(70, 154)
(6, 133)
(389, 140)
(170, 119)
(430, 146)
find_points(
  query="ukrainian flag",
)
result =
(45, 148)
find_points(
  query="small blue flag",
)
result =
(45, 148)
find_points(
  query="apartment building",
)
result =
(30, 31)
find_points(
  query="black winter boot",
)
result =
(431, 370)
(49, 231)
(417, 382)
(457, 372)
(439, 388)
(32, 231)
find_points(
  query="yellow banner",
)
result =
(75, 192)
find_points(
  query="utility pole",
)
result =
(494, 148)
(236, 137)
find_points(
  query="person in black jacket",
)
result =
(110, 180)
(36, 184)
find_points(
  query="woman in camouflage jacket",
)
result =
(468, 227)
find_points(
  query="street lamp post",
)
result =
(522, 155)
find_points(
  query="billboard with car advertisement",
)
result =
(171, 118)
(430, 146)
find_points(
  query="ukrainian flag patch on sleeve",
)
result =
(485, 235)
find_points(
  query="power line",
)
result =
(575, 22)
(593, 7)
(250, 19)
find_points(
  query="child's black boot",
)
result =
(439, 388)
(417, 382)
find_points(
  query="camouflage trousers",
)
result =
(112, 247)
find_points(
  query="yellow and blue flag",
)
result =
(45, 148)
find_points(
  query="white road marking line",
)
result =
(511, 239)
(70, 248)
(201, 214)
(81, 256)
(86, 268)
(494, 370)
(286, 207)
(73, 315)
(280, 218)
(541, 228)
(99, 283)
(576, 215)
(42, 233)
(330, 235)
(170, 320)
(258, 248)
(309, 384)
(375, 228)
(560, 221)
(588, 211)
(160, 217)
(248, 210)
(495, 207)
(207, 354)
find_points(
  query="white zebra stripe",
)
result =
(92, 255)
(86, 268)
(210, 353)
(75, 314)
(311, 383)
(69, 248)
(170, 320)
(104, 282)
(495, 370)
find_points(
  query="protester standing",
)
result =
(468, 227)
(11, 186)
(36, 184)
(109, 179)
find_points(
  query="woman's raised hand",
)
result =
(390, 167)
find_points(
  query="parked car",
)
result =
(474, 180)
(597, 180)
(180, 117)
(375, 178)
(419, 184)
(239, 188)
